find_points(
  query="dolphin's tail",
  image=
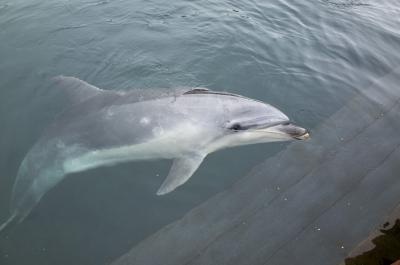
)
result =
(40, 171)
(10, 220)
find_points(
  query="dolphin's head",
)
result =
(249, 121)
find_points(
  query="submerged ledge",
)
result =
(310, 204)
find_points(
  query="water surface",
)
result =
(307, 58)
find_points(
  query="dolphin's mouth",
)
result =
(262, 123)
(293, 131)
(304, 136)
(280, 128)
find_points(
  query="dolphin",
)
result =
(104, 128)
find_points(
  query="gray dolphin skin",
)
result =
(104, 128)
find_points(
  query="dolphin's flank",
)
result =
(105, 127)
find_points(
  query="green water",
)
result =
(307, 58)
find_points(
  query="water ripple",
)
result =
(306, 57)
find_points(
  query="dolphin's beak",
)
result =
(304, 136)
(286, 131)
(293, 131)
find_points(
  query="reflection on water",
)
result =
(307, 58)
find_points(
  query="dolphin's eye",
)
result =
(236, 127)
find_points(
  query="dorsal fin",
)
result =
(206, 91)
(199, 90)
(76, 89)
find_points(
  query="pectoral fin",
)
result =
(182, 169)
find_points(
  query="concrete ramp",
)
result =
(310, 204)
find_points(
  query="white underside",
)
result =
(183, 140)
(166, 145)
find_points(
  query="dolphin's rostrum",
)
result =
(105, 127)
